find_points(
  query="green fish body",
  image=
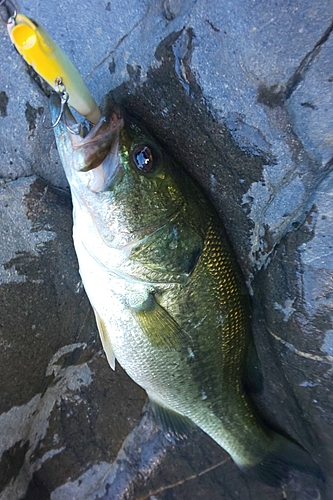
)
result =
(166, 289)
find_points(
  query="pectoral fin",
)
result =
(105, 341)
(160, 328)
(175, 426)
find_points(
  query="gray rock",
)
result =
(240, 93)
(310, 106)
(55, 414)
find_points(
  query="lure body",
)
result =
(42, 53)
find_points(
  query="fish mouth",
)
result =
(97, 152)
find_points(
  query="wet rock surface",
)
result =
(240, 93)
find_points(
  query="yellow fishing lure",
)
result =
(51, 63)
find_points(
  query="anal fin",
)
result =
(105, 341)
(175, 426)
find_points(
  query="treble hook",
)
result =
(64, 96)
(63, 100)
(10, 11)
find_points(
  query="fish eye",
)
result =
(145, 159)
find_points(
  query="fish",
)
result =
(42, 53)
(167, 291)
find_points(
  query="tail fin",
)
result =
(284, 456)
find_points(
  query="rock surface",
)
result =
(240, 93)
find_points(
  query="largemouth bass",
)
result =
(167, 292)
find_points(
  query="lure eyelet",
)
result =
(64, 96)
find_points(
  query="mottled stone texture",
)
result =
(240, 93)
